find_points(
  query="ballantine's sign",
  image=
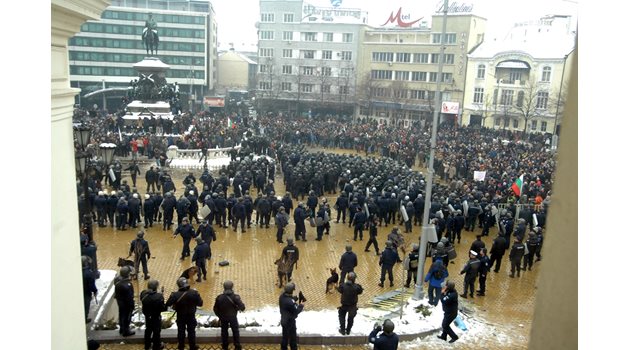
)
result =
(399, 19)
(456, 8)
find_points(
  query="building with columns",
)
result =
(520, 83)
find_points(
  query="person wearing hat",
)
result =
(226, 307)
(450, 306)
(341, 205)
(123, 293)
(193, 208)
(182, 205)
(139, 247)
(239, 214)
(168, 207)
(471, 269)
(473, 212)
(413, 265)
(347, 263)
(477, 245)
(532, 247)
(200, 255)
(499, 245)
(149, 210)
(290, 254)
(185, 302)
(100, 203)
(134, 205)
(387, 340)
(299, 215)
(151, 179)
(282, 220)
(152, 307)
(207, 233)
(387, 261)
(349, 298)
(290, 308)
(110, 207)
(516, 255)
(134, 171)
(373, 231)
(187, 231)
(483, 271)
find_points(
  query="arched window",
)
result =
(481, 71)
(546, 74)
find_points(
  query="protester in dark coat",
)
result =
(347, 263)
(349, 298)
(152, 307)
(185, 302)
(123, 293)
(289, 311)
(387, 261)
(388, 340)
(200, 255)
(187, 231)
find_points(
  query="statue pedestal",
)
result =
(151, 72)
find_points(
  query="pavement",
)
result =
(507, 307)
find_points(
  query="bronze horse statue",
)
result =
(151, 41)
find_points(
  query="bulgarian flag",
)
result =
(517, 186)
(229, 122)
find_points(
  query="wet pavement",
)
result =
(507, 307)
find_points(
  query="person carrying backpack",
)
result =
(436, 276)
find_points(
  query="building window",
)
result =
(343, 90)
(447, 77)
(266, 35)
(543, 126)
(448, 39)
(307, 70)
(435, 58)
(266, 52)
(506, 122)
(287, 36)
(309, 36)
(430, 95)
(401, 93)
(380, 92)
(514, 76)
(497, 121)
(308, 53)
(534, 125)
(326, 71)
(286, 86)
(403, 57)
(481, 71)
(287, 69)
(347, 72)
(507, 97)
(346, 55)
(327, 55)
(382, 56)
(420, 58)
(325, 88)
(401, 75)
(546, 74)
(542, 99)
(328, 37)
(478, 95)
(449, 58)
(264, 85)
(520, 97)
(263, 68)
(433, 77)
(418, 76)
(347, 37)
(418, 94)
(306, 87)
(381, 74)
(267, 17)
(288, 18)
(287, 53)
(515, 123)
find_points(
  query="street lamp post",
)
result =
(82, 166)
(424, 235)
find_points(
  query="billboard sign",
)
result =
(214, 101)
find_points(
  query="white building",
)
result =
(519, 83)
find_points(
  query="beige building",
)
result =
(519, 83)
(235, 72)
(398, 69)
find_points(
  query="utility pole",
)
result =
(419, 292)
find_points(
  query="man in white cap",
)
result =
(471, 269)
(100, 203)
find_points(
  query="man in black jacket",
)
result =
(387, 261)
(226, 306)
(449, 305)
(347, 263)
(151, 177)
(187, 231)
(360, 218)
(471, 269)
(123, 292)
(149, 210)
(341, 206)
(388, 340)
(185, 302)
(200, 255)
(349, 298)
(282, 220)
(89, 286)
(152, 307)
(497, 251)
(139, 247)
(289, 311)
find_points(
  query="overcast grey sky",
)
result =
(236, 18)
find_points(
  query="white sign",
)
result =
(450, 107)
(479, 175)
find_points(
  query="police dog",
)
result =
(124, 262)
(283, 272)
(332, 281)
(190, 274)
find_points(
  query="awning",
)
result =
(513, 64)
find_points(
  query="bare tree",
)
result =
(528, 104)
(366, 89)
(484, 108)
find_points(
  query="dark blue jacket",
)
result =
(431, 277)
(449, 302)
(238, 211)
(186, 231)
(384, 341)
(299, 215)
(389, 257)
(202, 252)
(289, 309)
(348, 261)
(342, 202)
(360, 219)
